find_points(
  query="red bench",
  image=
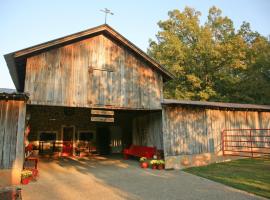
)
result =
(140, 151)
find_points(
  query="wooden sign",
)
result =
(102, 112)
(102, 119)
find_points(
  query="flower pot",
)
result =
(30, 178)
(34, 172)
(160, 167)
(144, 165)
(154, 167)
(25, 181)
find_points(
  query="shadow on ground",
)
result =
(99, 178)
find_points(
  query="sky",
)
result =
(24, 23)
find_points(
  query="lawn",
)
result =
(251, 174)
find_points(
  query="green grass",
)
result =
(251, 174)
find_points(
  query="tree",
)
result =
(211, 61)
(256, 79)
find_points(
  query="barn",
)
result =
(96, 89)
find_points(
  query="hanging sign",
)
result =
(102, 119)
(102, 112)
(102, 115)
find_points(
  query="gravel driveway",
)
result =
(111, 178)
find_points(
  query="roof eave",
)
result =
(13, 70)
(216, 105)
(18, 96)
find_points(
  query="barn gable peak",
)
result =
(16, 61)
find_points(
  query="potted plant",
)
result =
(26, 176)
(144, 163)
(34, 174)
(153, 164)
(160, 164)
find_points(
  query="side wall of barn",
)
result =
(12, 124)
(192, 136)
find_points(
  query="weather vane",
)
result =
(106, 11)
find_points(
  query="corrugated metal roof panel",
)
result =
(12, 94)
(7, 90)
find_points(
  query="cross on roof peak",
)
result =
(106, 12)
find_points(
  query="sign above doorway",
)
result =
(102, 112)
(102, 116)
(102, 119)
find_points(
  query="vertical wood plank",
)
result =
(9, 122)
(20, 136)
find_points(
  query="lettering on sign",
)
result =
(102, 112)
(102, 119)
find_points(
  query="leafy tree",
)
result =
(212, 61)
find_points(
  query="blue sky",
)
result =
(28, 22)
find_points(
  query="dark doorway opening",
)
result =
(103, 140)
(71, 130)
(47, 143)
(68, 134)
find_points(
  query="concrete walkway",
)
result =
(109, 178)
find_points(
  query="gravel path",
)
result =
(110, 178)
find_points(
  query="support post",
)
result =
(251, 149)
(223, 142)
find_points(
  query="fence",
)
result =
(246, 142)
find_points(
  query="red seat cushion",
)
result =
(140, 151)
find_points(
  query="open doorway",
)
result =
(68, 138)
(103, 140)
(74, 133)
(47, 142)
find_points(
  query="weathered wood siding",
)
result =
(12, 122)
(95, 72)
(147, 130)
(196, 130)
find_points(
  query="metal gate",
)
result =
(246, 142)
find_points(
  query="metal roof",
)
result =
(16, 60)
(219, 105)
(7, 90)
(12, 94)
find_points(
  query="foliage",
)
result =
(157, 162)
(143, 159)
(26, 174)
(245, 174)
(160, 162)
(213, 61)
(153, 162)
